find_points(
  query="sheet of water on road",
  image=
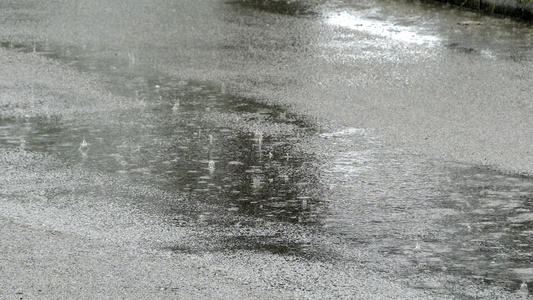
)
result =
(242, 164)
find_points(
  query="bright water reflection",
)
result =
(393, 32)
(396, 31)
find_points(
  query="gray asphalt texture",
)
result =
(459, 89)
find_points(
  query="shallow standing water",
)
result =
(235, 160)
(247, 168)
(429, 216)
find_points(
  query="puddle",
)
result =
(368, 33)
(234, 159)
(250, 185)
(493, 238)
(396, 31)
(197, 140)
(429, 217)
(389, 30)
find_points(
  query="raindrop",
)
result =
(258, 136)
(84, 144)
(83, 149)
(285, 177)
(417, 248)
(256, 183)
(211, 166)
(305, 205)
(176, 105)
(131, 57)
(523, 288)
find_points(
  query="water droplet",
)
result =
(256, 183)
(523, 287)
(258, 136)
(84, 144)
(304, 204)
(285, 177)
(131, 58)
(417, 249)
(176, 105)
(211, 166)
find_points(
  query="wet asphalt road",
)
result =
(453, 83)
(386, 142)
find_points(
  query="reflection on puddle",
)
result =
(219, 149)
(405, 32)
(361, 35)
(380, 28)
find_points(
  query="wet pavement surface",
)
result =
(252, 175)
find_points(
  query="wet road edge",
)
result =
(511, 8)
